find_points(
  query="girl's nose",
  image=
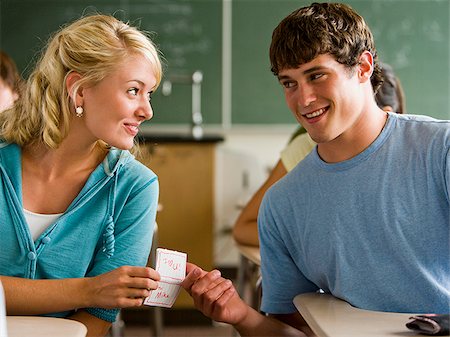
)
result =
(145, 111)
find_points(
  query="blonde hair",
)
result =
(92, 46)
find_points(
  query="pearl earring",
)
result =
(79, 111)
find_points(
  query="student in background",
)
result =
(365, 217)
(77, 210)
(10, 82)
(389, 97)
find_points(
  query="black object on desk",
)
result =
(431, 324)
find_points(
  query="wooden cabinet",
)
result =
(185, 221)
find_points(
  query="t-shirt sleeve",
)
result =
(281, 278)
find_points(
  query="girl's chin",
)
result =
(123, 145)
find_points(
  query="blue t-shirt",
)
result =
(372, 230)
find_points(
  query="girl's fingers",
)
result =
(142, 283)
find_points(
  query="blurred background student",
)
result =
(389, 97)
(10, 81)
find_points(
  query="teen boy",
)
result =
(364, 217)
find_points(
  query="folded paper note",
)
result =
(171, 265)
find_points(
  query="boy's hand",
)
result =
(214, 295)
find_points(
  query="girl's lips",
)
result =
(132, 129)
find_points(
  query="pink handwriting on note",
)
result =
(171, 265)
(164, 296)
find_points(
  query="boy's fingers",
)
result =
(205, 283)
(215, 292)
(221, 302)
(192, 276)
(190, 267)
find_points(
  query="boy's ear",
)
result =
(74, 90)
(365, 66)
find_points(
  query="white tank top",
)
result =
(38, 223)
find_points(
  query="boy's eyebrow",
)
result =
(313, 69)
(283, 77)
(305, 72)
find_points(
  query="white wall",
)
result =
(243, 162)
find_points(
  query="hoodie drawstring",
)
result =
(108, 235)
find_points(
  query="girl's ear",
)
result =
(74, 89)
(365, 69)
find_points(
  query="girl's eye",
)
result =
(149, 95)
(133, 91)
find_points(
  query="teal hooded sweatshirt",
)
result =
(108, 225)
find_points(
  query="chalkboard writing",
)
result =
(187, 32)
(411, 35)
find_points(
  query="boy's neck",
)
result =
(351, 143)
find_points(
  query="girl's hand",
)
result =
(123, 287)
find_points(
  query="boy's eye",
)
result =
(133, 91)
(288, 84)
(316, 76)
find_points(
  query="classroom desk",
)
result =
(250, 252)
(26, 326)
(249, 275)
(331, 317)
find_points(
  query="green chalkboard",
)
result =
(414, 36)
(187, 32)
(257, 96)
(411, 35)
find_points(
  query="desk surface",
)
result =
(331, 317)
(25, 326)
(251, 253)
